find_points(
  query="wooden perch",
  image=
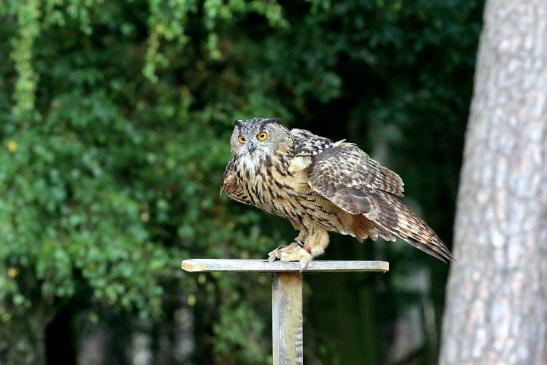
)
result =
(207, 265)
(287, 328)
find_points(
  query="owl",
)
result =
(320, 186)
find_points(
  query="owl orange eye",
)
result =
(262, 136)
(241, 139)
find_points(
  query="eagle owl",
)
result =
(320, 186)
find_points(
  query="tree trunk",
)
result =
(496, 309)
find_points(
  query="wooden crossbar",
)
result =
(208, 265)
(287, 319)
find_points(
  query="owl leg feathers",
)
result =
(317, 241)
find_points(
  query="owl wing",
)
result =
(308, 144)
(231, 187)
(369, 172)
(356, 183)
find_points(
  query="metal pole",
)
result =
(287, 330)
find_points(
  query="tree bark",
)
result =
(496, 309)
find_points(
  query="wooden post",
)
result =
(287, 320)
(287, 329)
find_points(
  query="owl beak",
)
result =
(251, 147)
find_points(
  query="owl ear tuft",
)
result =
(238, 123)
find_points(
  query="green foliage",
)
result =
(116, 117)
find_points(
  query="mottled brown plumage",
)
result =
(320, 186)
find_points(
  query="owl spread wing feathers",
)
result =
(356, 183)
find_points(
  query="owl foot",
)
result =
(291, 253)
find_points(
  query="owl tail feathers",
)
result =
(392, 215)
(437, 249)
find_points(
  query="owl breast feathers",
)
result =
(320, 186)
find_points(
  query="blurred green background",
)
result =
(115, 119)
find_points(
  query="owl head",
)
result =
(259, 137)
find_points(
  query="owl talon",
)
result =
(291, 253)
(304, 262)
(275, 254)
(272, 256)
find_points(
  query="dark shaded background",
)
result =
(115, 125)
